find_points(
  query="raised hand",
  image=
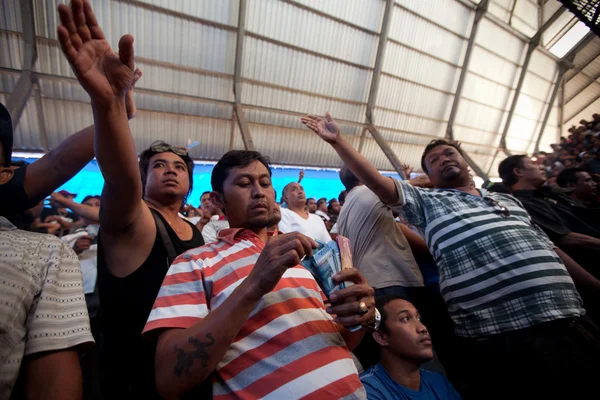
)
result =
(407, 169)
(129, 103)
(300, 176)
(326, 128)
(104, 74)
(346, 302)
(63, 201)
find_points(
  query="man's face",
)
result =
(207, 205)
(248, 196)
(532, 173)
(311, 204)
(335, 208)
(294, 194)
(275, 216)
(586, 188)
(167, 175)
(322, 206)
(404, 334)
(446, 167)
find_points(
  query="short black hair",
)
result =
(432, 145)
(322, 200)
(310, 198)
(342, 196)
(89, 197)
(382, 301)
(235, 159)
(329, 204)
(349, 180)
(507, 166)
(147, 154)
(568, 175)
(203, 193)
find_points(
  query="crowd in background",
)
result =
(454, 291)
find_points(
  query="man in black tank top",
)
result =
(133, 257)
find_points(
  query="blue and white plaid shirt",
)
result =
(498, 271)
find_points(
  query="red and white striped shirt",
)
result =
(288, 348)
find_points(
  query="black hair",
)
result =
(235, 159)
(310, 198)
(499, 187)
(322, 200)
(349, 180)
(568, 175)
(382, 301)
(18, 163)
(329, 203)
(89, 197)
(203, 193)
(432, 145)
(342, 197)
(507, 166)
(147, 154)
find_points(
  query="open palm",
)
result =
(326, 127)
(102, 73)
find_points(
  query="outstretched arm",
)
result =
(107, 77)
(329, 131)
(83, 210)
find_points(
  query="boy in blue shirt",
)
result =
(405, 344)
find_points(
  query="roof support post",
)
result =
(562, 68)
(370, 124)
(531, 46)
(479, 13)
(18, 98)
(237, 81)
(40, 114)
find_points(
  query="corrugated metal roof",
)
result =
(311, 56)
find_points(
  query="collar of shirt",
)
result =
(233, 235)
(6, 225)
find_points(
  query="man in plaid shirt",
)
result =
(509, 291)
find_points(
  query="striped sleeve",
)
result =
(181, 300)
(410, 203)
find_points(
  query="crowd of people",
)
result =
(457, 292)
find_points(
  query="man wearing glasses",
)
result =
(506, 287)
(141, 232)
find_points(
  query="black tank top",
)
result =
(128, 358)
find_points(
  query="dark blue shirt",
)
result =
(380, 386)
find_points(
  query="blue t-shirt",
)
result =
(380, 386)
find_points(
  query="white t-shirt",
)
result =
(210, 232)
(313, 227)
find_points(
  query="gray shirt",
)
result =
(379, 249)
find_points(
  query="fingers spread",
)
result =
(92, 23)
(126, 51)
(79, 17)
(66, 20)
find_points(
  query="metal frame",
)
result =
(531, 46)
(238, 112)
(18, 98)
(562, 68)
(370, 120)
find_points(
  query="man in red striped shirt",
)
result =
(244, 307)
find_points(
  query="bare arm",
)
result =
(53, 375)
(107, 77)
(59, 165)
(579, 241)
(417, 243)
(177, 350)
(329, 131)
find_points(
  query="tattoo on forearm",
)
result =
(185, 359)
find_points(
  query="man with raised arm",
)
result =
(245, 308)
(140, 228)
(506, 288)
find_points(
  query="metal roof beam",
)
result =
(18, 98)
(512, 12)
(385, 147)
(531, 46)
(40, 114)
(589, 103)
(238, 111)
(479, 13)
(562, 68)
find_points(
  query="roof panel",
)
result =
(413, 99)
(493, 67)
(583, 105)
(10, 15)
(451, 14)
(275, 64)
(412, 65)
(299, 27)
(479, 117)
(395, 120)
(425, 36)
(543, 65)
(365, 13)
(222, 11)
(485, 91)
(497, 40)
(464, 133)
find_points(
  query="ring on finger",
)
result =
(363, 309)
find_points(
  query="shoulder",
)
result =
(436, 380)
(371, 380)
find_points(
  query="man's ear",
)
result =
(218, 200)
(381, 338)
(517, 172)
(6, 175)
